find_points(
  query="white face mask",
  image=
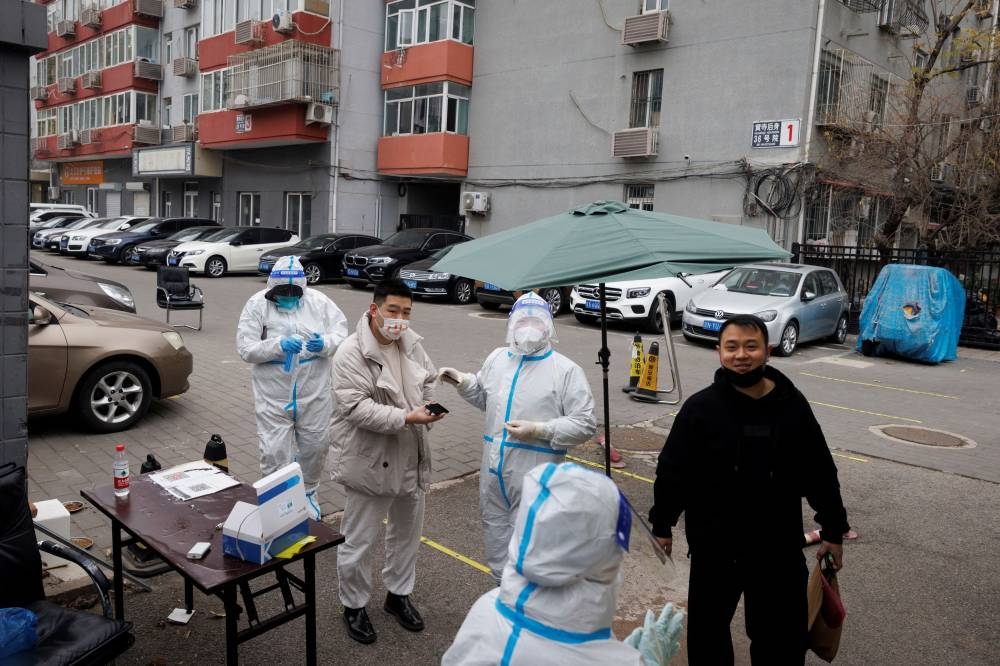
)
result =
(392, 328)
(528, 340)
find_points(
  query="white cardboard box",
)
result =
(280, 518)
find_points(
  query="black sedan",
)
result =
(385, 260)
(115, 246)
(428, 283)
(152, 254)
(322, 256)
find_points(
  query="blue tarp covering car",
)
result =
(914, 312)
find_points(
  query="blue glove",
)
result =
(291, 345)
(315, 343)
(658, 641)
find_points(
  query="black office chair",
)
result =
(174, 291)
(65, 636)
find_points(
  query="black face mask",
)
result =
(744, 379)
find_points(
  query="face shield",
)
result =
(286, 284)
(530, 327)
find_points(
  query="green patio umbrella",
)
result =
(602, 242)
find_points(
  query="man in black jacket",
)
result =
(740, 457)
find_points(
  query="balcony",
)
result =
(185, 66)
(91, 80)
(150, 8)
(428, 62)
(214, 52)
(144, 69)
(438, 154)
(649, 28)
(846, 101)
(905, 18)
(284, 73)
(265, 127)
(636, 142)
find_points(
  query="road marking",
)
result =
(458, 556)
(883, 386)
(861, 411)
(617, 471)
(838, 359)
(854, 458)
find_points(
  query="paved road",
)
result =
(920, 586)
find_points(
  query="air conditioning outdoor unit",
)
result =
(646, 28)
(86, 137)
(39, 93)
(870, 118)
(67, 140)
(152, 8)
(66, 28)
(974, 95)
(185, 66)
(148, 70)
(941, 172)
(91, 79)
(148, 134)
(91, 17)
(282, 22)
(66, 84)
(319, 114)
(185, 4)
(246, 32)
(475, 202)
(636, 142)
(53, 193)
(186, 132)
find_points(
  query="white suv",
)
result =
(635, 300)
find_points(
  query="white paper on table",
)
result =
(194, 479)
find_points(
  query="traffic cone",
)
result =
(646, 389)
(635, 365)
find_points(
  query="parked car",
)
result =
(797, 302)
(154, 253)
(322, 256)
(76, 243)
(50, 226)
(105, 365)
(66, 286)
(38, 209)
(491, 297)
(425, 282)
(231, 249)
(114, 246)
(46, 219)
(636, 302)
(50, 239)
(376, 263)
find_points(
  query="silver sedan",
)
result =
(797, 302)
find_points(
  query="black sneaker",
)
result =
(408, 616)
(359, 627)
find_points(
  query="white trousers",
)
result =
(362, 520)
(282, 442)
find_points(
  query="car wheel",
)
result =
(840, 333)
(357, 285)
(554, 297)
(788, 341)
(122, 254)
(654, 323)
(113, 396)
(489, 306)
(215, 267)
(462, 291)
(314, 273)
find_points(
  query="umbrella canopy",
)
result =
(606, 240)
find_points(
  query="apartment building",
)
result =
(321, 115)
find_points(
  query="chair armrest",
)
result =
(88, 565)
(197, 290)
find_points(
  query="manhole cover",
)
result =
(924, 436)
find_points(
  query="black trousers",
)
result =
(773, 586)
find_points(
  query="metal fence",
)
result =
(977, 270)
(290, 71)
(415, 221)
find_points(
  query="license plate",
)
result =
(264, 267)
(591, 304)
(412, 284)
(489, 286)
(171, 261)
(353, 272)
(711, 325)
(133, 258)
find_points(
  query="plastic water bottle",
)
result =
(120, 468)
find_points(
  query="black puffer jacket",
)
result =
(738, 467)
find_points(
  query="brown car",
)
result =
(106, 365)
(67, 286)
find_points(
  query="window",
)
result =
(45, 122)
(213, 93)
(147, 44)
(436, 242)
(92, 199)
(639, 196)
(168, 49)
(409, 22)
(190, 107)
(427, 108)
(190, 199)
(647, 92)
(828, 87)
(811, 285)
(217, 206)
(919, 58)
(298, 213)
(877, 98)
(827, 282)
(650, 6)
(168, 104)
(191, 42)
(145, 107)
(166, 206)
(249, 208)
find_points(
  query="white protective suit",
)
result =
(560, 588)
(543, 387)
(293, 395)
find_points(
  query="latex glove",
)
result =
(455, 377)
(315, 343)
(528, 431)
(659, 640)
(291, 345)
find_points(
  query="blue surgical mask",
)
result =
(287, 302)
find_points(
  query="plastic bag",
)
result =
(18, 630)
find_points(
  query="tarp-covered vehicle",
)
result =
(915, 312)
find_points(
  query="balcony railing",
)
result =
(291, 71)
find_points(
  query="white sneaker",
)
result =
(312, 505)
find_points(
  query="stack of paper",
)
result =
(193, 479)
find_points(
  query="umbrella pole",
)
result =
(604, 360)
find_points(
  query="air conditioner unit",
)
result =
(67, 140)
(974, 95)
(86, 137)
(91, 79)
(184, 132)
(185, 4)
(282, 22)
(636, 142)
(319, 114)
(246, 32)
(66, 84)
(152, 8)
(66, 28)
(148, 70)
(148, 134)
(942, 172)
(185, 66)
(646, 28)
(39, 93)
(53, 193)
(870, 118)
(986, 125)
(475, 202)
(91, 16)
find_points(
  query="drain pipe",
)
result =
(335, 168)
(811, 111)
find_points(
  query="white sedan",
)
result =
(230, 250)
(75, 242)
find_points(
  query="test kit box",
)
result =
(256, 533)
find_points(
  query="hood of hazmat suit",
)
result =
(529, 327)
(560, 587)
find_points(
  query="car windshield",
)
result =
(760, 281)
(408, 238)
(49, 223)
(315, 242)
(148, 225)
(193, 234)
(223, 236)
(443, 251)
(87, 222)
(112, 223)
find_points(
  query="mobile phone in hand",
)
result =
(436, 409)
